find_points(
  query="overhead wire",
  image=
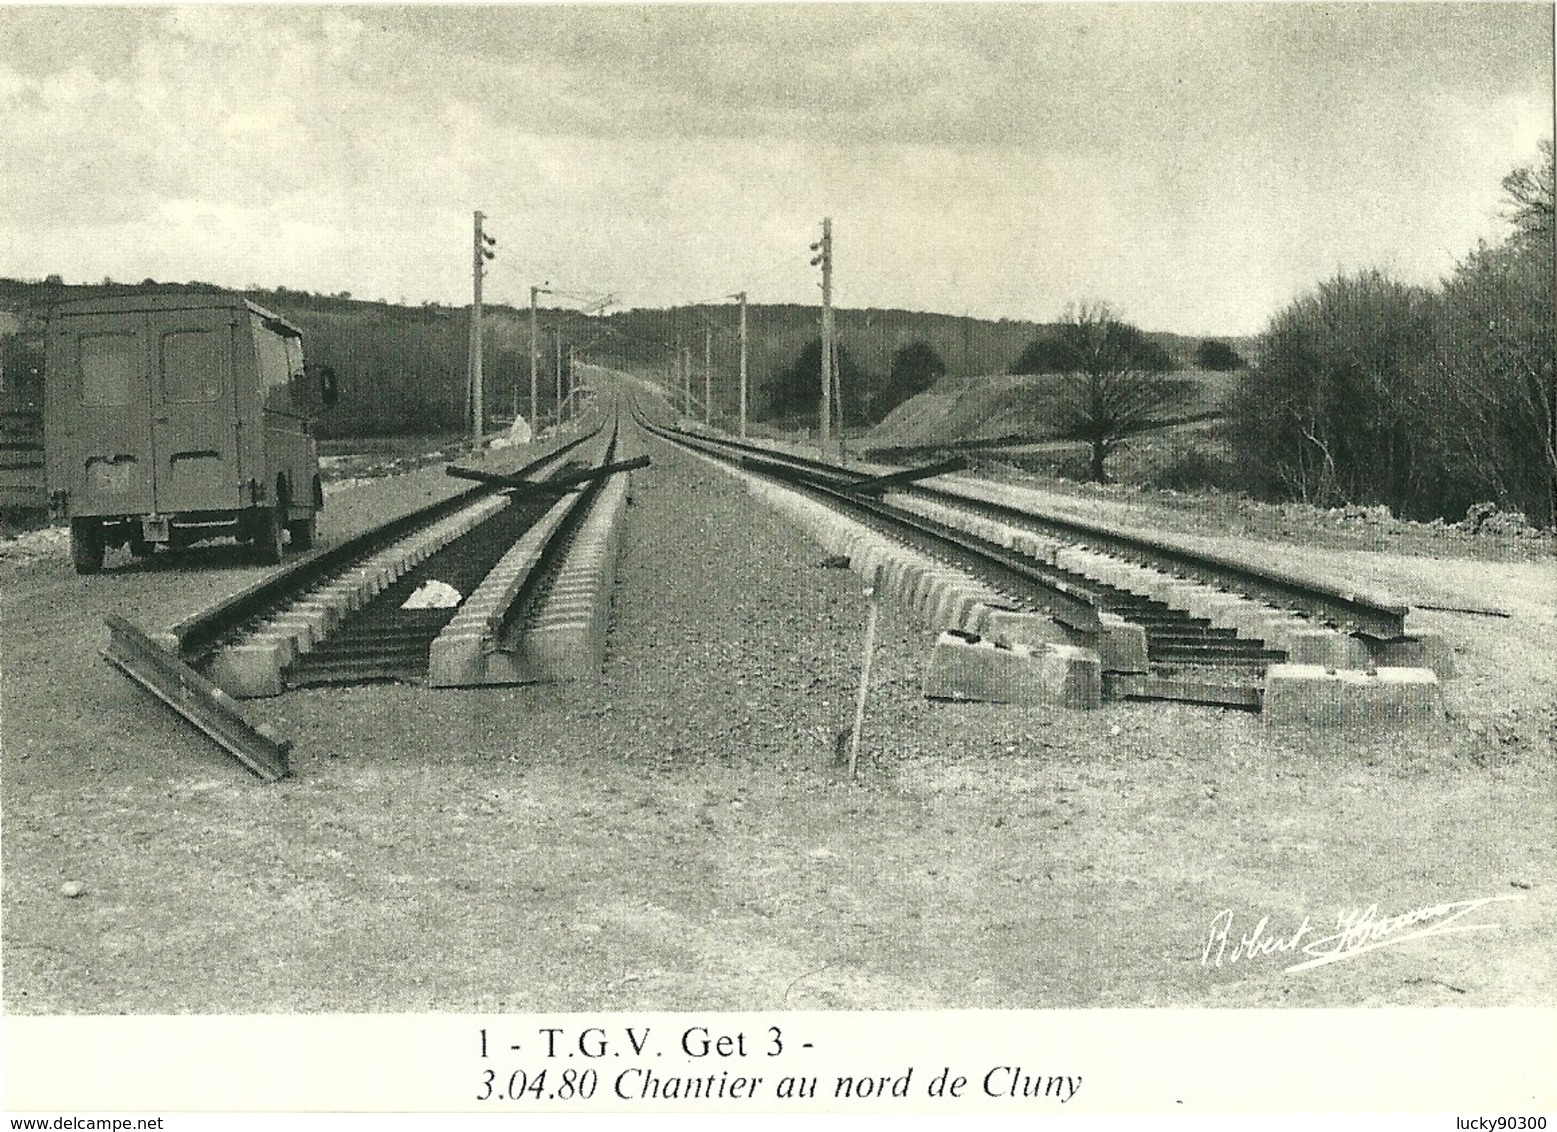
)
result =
(787, 263)
(751, 282)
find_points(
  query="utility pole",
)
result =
(708, 375)
(556, 338)
(824, 256)
(482, 246)
(838, 401)
(741, 295)
(535, 362)
(684, 375)
(572, 375)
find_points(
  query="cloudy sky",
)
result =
(1196, 166)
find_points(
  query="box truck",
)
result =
(172, 418)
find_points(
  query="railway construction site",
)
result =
(577, 725)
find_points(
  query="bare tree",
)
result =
(1529, 191)
(1118, 385)
(1497, 353)
(1373, 391)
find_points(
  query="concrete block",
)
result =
(867, 556)
(900, 577)
(1306, 695)
(894, 578)
(975, 621)
(323, 615)
(367, 581)
(1316, 645)
(253, 669)
(1175, 593)
(926, 594)
(1030, 545)
(1214, 605)
(571, 651)
(304, 630)
(1121, 646)
(345, 596)
(454, 659)
(953, 606)
(1419, 650)
(1020, 627)
(1274, 627)
(1120, 575)
(963, 667)
(1069, 558)
(1256, 621)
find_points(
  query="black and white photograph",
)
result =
(664, 539)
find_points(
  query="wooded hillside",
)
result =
(402, 369)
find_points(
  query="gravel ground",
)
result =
(681, 836)
(1500, 537)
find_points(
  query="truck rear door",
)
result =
(99, 439)
(194, 412)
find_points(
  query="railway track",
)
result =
(386, 640)
(358, 612)
(1347, 610)
(195, 639)
(1188, 656)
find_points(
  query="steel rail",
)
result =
(558, 485)
(543, 571)
(1066, 602)
(195, 698)
(386, 639)
(879, 484)
(195, 636)
(1351, 610)
(1189, 661)
(1368, 615)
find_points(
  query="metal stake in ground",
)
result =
(870, 652)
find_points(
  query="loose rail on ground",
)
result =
(195, 698)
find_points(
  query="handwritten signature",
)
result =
(1357, 932)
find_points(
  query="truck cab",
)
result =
(174, 418)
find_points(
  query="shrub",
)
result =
(1214, 355)
(1333, 413)
(1197, 470)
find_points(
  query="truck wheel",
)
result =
(304, 532)
(269, 528)
(87, 545)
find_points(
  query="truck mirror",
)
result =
(328, 392)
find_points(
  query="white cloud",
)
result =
(1195, 165)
